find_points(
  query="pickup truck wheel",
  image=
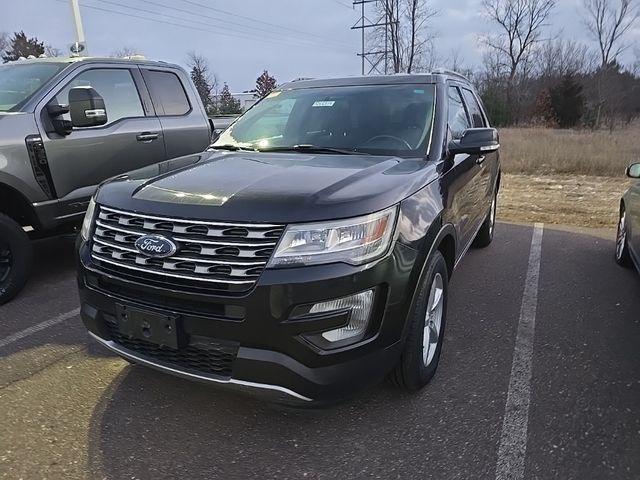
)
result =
(622, 247)
(419, 359)
(15, 258)
(485, 234)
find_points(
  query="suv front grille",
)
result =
(215, 255)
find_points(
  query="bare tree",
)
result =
(126, 51)
(559, 57)
(204, 79)
(607, 25)
(51, 51)
(408, 36)
(521, 24)
(4, 41)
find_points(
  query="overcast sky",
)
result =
(290, 38)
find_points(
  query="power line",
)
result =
(228, 29)
(350, 7)
(250, 29)
(281, 27)
(189, 26)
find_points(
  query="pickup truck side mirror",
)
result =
(633, 170)
(86, 107)
(56, 113)
(476, 141)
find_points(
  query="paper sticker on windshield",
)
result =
(324, 103)
(274, 94)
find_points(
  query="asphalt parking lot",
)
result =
(539, 379)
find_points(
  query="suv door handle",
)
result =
(146, 137)
(480, 159)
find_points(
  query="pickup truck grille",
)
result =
(211, 255)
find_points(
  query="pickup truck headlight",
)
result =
(355, 241)
(88, 220)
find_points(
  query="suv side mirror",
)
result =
(476, 141)
(86, 107)
(633, 170)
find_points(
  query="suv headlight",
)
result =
(88, 220)
(355, 241)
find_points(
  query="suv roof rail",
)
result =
(453, 73)
(300, 79)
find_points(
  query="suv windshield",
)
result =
(19, 81)
(373, 119)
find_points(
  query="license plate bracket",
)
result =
(152, 327)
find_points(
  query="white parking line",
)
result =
(513, 440)
(40, 326)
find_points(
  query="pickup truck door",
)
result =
(466, 195)
(184, 123)
(131, 138)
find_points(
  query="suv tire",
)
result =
(419, 359)
(485, 234)
(16, 256)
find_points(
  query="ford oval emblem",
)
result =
(156, 246)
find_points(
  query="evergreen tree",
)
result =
(21, 46)
(568, 102)
(265, 84)
(204, 80)
(227, 104)
(203, 87)
(544, 114)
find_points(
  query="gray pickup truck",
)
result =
(67, 124)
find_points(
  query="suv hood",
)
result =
(268, 187)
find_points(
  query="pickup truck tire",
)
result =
(16, 257)
(485, 234)
(419, 359)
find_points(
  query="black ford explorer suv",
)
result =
(307, 253)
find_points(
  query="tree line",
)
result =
(529, 75)
(220, 101)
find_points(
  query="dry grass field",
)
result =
(565, 176)
(541, 151)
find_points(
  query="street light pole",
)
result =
(75, 8)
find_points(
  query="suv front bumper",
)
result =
(271, 357)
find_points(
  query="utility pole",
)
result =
(363, 23)
(80, 46)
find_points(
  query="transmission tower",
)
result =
(373, 58)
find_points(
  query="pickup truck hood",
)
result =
(268, 187)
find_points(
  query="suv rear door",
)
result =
(131, 138)
(184, 123)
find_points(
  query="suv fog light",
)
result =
(360, 309)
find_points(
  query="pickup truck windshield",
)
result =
(373, 119)
(18, 82)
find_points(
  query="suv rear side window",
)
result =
(457, 118)
(167, 93)
(477, 119)
(114, 85)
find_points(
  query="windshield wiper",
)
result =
(232, 148)
(311, 149)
